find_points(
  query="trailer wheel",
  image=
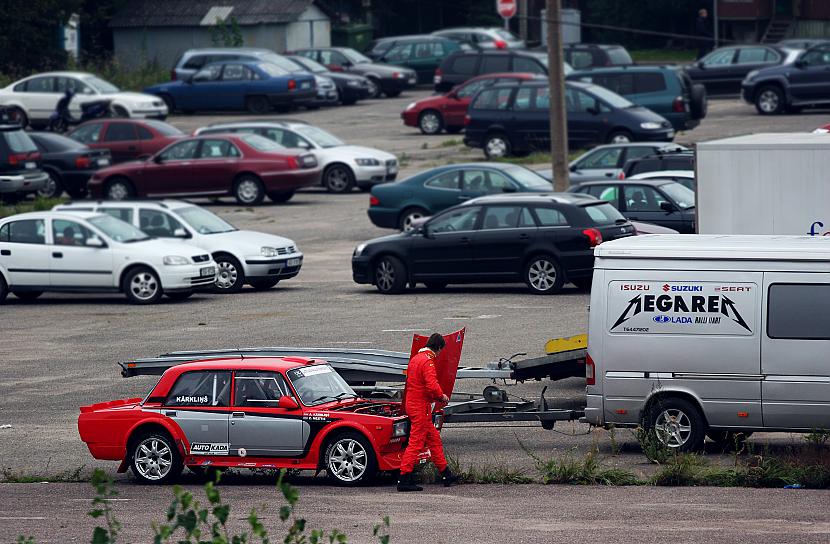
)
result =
(548, 425)
(677, 423)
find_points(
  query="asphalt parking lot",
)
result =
(60, 352)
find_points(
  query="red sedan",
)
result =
(127, 139)
(287, 412)
(447, 111)
(245, 166)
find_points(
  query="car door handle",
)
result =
(5, 252)
(57, 254)
(170, 414)
(609, 175)
(238, 414)
(464, 240)
(524, 236)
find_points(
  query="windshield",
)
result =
(261, 143)
(609, 97)
(273, 70)
(311, 65)
(203, 221)
(604, 214)
(319, 136)
(103, 87)
(355, 57)
(118, 230)
(317, 384)
(528, 178)
(682, 195)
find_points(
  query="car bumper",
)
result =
(353, 93)
(593, 409)
(663, 135)
(325, 98)
(155, 113)
(397, 84)
(278, 268)
(293, 97)
(10, 184)
(185, 278)
(361, 272)
(290, 180)
(410, 117)
(24, 183)
(366, 176)
(384, 218)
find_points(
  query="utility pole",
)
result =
(556, 82)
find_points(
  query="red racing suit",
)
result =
(422, 389)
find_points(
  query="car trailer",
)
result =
(364, 369)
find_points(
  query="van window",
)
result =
(524, 64)
(799, 311)
(495, 63)
(649, 82)
(465, 65)
(492, 99)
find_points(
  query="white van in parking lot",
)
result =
(707, 335)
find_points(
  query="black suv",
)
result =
(788, 87)
(20, 168)
(670, 159)
(461, 66)
(590, 55)
(544, 240)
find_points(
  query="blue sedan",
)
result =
(255, 86)
(397, 205)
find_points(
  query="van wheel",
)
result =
(497, 146)
(620, 137)
(770, 100)
(677, 423)
(154, 458)
(390, 275)
(543, 275)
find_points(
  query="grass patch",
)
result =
(80, 474)
(534, 158)
(450, 143)
(37, 205)
(667, 56)
(474, 474)
(570, 470)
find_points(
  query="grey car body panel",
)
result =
(267, 435)
(200, 427)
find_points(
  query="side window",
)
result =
(550, 217)
(399, 52)
(120, 132)
(542, 98)
(157, 224)
(493, 99)
(88, 134)
(447, 180)
(64, 84)
(143, 133)
(649, 82)
(234, 72)
(752, 55)
(195, 62)
(338, 58)
(201, 388)
(524, 64)
(124, 214)
(28, 231)
(428, 50)
(285, 138)
(526, 219)
(798, 311)
(721, 57)
(581, 59)
(460, 219)
(472, 88)
(522, 100)
(619, 83)
(640, 198)
(604, 158)
(259, 388)
(181, 152)
(495, 63)
(608, 193)
(817, 56)
(465, 65)
(70, 233)
(211, 73)
(40, 85)
(500, 217)
(577, 101)
(473, 181)
(217, 149)
(495, 182)
(635, 152)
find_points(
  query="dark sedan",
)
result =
(657, 201)
(384, 78)
(544, 240)
(722, 70)
(350, 87)
(68, 163)
(397, 205)
(126, 139)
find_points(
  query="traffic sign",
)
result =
(506, 8)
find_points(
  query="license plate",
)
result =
(412, 81)
(392, 170)
(293, 262)
(31, 165)
(103, 162)
(208, 271)
(305, 85)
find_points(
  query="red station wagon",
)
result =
(446, 112)
(267, 412)
(127, 139)
(245, 166)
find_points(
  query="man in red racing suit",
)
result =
(422, 389)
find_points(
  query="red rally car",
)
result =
(266, 412)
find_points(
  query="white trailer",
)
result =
(764, 184)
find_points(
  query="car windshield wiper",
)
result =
(339, 396)
(324, 397)
(620, 221)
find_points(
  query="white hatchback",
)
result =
(242, 256)
(36, 97)
(92, 252)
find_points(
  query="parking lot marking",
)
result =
(21, 518)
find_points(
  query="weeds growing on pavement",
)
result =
(654, 450)
(79, 474)
(450, 143)
(817, 438)
(37, 205)
(475, 474)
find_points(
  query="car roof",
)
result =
(412, 38)
(166, 204)
(61, 74)
(277, 364)
(246, 50)
(592, 45)
(575, 199)
(287, 123)
(623, 68)
(543, 82)
(719, 247)
(468, 28)
(664, 173)
(49, 214)
(627, 181)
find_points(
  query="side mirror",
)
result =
(667, 206)
(424, 230)
(180, 233)
(287, 403)
(700, 65)
(158, 159)
(573, 168)
(95, 242)
(509, 189)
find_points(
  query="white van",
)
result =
(698, 335)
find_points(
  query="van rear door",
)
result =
(795, 351)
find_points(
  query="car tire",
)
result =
(338, 178)
(17, 114)
(263, 285)
(677, 424)
(27, 295)
(770, 100)
(454, 129)
(120, 111)
(350, 460)
(390, 275)
(497, 146)
(430, 122)
(169, 102)
(393, 94)
(154, 458)
(230, 276)
(698, 101)
(179, 295)
(141, 285)
(543, 275)
(374, 87)
(53, 187)
(408, 216)
(119, 188)
(620, 136)
(248, 190)
(279, 198)
(4, 289)
(583, 284)
(257, 104)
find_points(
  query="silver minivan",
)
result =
(697, 336)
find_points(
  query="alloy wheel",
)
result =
(337, 180)
(248, 191)
(374, 90)
(144, 286)
(496, 147)
(768, 101)
(118, 191)
(228, 275)
(50, 189)
(153, 458)
(409, 219)
(673, 427)
(430, 123)
(348, 460)
(542, 275)
(620, 139)
(385, 275)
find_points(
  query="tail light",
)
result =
(594, 236)
(590, 371)
(500, 44)
(437, 78)
(292, 84)
(173, 75)
(396, 75)
(678, 106)
(466, 120)
(334, 67)
(16, 159)
(82, 162)
(621, 176)
(374, 201)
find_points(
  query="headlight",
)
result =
(175, 260)
(353, 83)
(409, 107)
(401, 428)
(650, 125)
(399, 75)
(367, 162)
(268, 251)
(359, 250)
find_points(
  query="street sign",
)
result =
(506, 8)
